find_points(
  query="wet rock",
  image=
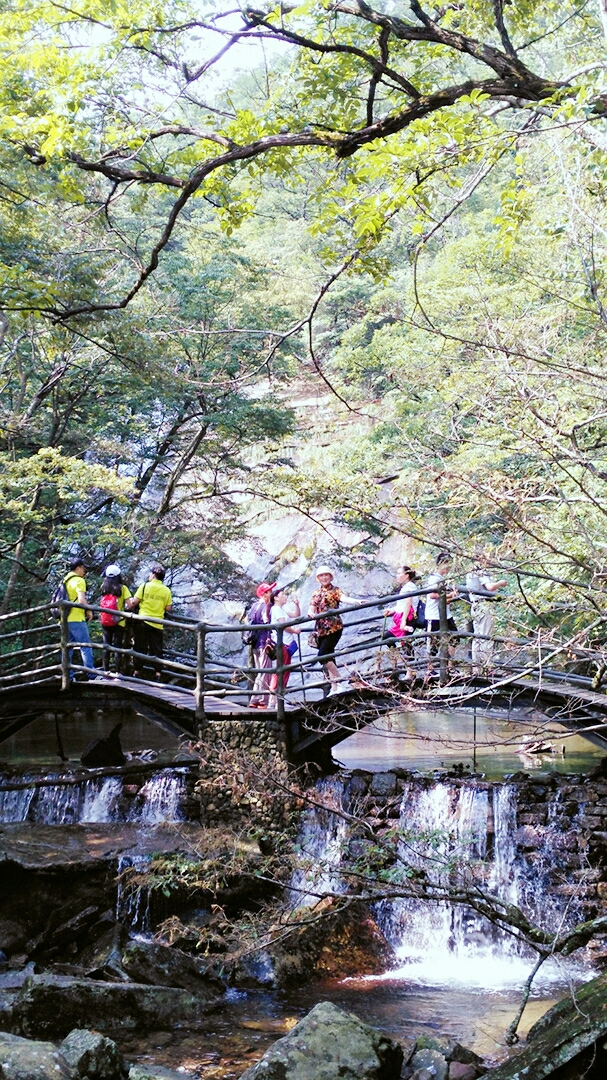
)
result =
(459, 1071)
(104, 753)
(450, 1049)
(329, 1044)
(162, 965)
(103, 959)
(12, 936)
(23, 1059)
(52, 1005)
(563, 1034)
(254, 970)
(91, 1055)
(421, 1074)
(383, 784)
(432, 1061)
(345, 943)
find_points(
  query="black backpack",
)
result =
(420, 614)
(60, 594)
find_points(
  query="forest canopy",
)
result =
(206, 213)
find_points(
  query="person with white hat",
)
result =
(113, 627)
(329, 628)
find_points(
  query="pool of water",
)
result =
(485, 741)
(239, 1034)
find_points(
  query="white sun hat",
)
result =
(113, 570)
(324, 570)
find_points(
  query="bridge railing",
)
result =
(35, 649)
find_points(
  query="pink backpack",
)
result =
(109, 603)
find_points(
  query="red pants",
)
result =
(286, 659)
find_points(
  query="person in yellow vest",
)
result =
(152, 599)
(78, 617)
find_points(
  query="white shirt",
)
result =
(476, 580)
(280, 615)
(432, 612)
(402, 606)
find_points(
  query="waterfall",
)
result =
(96, 800)
(132, 905)
(163, 796)
(447, 830)
(14, 805)
(320, 845)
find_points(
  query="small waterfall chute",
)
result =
(322, 837)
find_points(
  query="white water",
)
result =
(322, 836)
(446, 833)
(160, 800)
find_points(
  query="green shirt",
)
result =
(155, 599)
(75, 584)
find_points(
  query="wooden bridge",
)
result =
(202, 683)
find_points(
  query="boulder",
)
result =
(432, 1061)
(22, 1059)
(449, 1048)
(52, 1005)
(92, 1055)
(103, 958)
(104, 753)
(565, 1032)
(329, 1044)
(162, 965)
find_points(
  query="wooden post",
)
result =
(280, 672)
(65, 651)
(201, 649)
(443, 649)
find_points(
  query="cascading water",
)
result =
(97, 800)
(14, 805)
(132, 905)
(447, 833)
(320, 843)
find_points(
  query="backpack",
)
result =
(255, 616)
(59, 596)
(109, 604)
(420, 614)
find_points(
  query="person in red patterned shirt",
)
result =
(329, 628)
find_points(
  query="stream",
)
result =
(455, 973)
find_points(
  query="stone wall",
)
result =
(244, 775)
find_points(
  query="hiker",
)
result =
(114, 594)
(329, 628)
(404, 615)
(152, 599)
(281, 610)
(482, 611)
(259, 616)
(78, 617)
(444, 563)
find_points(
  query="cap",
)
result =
(324, 570)
(264, 588)
(113, 570)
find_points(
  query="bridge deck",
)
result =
(317, 726)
